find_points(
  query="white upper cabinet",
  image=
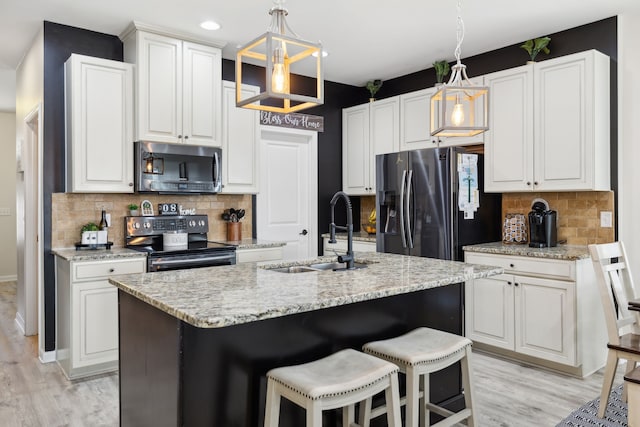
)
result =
(178, 88)
(367, 130)
(549, 126)
(240, 142)
(415, 120)
(99, 130)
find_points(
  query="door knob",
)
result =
(304, 232)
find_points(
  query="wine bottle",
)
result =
(103, 221)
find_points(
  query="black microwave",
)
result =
(177, 168)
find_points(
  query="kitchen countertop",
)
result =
(563, 252)
(243, 293)
(250, 243)
(361, 236)
(71, 254)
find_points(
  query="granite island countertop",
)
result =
(563, 252)
(361, 236)
(242, 293)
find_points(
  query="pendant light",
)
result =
(459, 108)
(277, 51)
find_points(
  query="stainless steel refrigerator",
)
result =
(418, 205)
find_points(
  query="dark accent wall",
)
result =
(60, 41)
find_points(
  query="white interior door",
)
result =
(286, 208)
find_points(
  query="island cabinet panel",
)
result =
(175, 374)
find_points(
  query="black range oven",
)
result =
(146, 234)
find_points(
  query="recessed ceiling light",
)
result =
(210, 25)
(324, 54)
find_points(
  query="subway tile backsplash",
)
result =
(70, 211)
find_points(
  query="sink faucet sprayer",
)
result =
(348, 257)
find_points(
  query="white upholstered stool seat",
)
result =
(419, 353)
(340, 380)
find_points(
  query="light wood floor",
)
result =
(32, 394)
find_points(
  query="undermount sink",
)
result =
(323, 266)
(335, 265)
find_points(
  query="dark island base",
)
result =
(174, 374)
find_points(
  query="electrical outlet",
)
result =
(5, 211)
(606, 219)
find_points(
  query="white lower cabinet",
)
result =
(87, 314)
(542, 311)
(340, 246)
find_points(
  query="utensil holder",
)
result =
(234, 231)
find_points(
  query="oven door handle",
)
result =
(193, 260)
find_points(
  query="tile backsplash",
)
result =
(578, 213)
(70, 211)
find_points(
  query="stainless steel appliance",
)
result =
(543, 228)
(146, 234)
(417, 205)
(177, 168)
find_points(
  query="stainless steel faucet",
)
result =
(348, 257)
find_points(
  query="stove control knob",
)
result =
(136, 225)
(201, 223)
(147, 225)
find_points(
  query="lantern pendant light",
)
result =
(277, 51)
(459, 108)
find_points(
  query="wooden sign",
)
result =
(292, 120)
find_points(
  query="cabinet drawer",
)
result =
(101, 269)
(524, 265)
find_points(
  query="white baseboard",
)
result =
(13, 278)
(20, 322)
(47, 356)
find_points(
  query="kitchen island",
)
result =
(195, 344)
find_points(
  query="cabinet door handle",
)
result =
(111, 270)
(511, 266)
(516, 283)
(131, 184)
(535, 182)
(509, 283)
(179, 136)
(186, 137)
(528, 182)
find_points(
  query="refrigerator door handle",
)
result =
(408, 216)
(402, 187)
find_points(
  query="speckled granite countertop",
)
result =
(361, 236)
(252, 243)
(564, 252)
(96, 254)
(243, 293)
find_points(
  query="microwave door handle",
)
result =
(402, 231)
(409, 215)
(217, 170)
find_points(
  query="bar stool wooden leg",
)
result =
(392, 398)
(364, 418)
(413, 385)
(272, 412)
(424, 409)
(467, 384)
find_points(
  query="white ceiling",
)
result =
(366, 39)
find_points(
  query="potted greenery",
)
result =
(373, 86)
(442, 69)
(133, 209)
(534, 46)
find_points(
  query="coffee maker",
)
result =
(543, 222)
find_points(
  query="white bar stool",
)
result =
(337, 381)
(419, 353)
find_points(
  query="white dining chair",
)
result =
(615, 283)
